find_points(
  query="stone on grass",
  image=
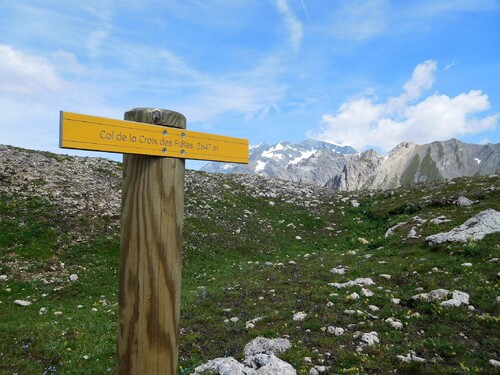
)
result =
(361, 281)
(433, 295)
(394, 323)
(336, 331)
(21, 302)
(464, 202)
(269, 364)
(222, 366)
(353, 296)
(262, 345)
(494, 362)
(73, 277)
(259, 360)
(440, 220)
(367, 339)
(474, 229)
(366, 292)
(457, 299)
(300, 316)
(410, 357)
(339, 270)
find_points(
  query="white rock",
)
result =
(73, 277)
(353, 296)
(366, 292)
(494, 362)
(464, 202)
(385, 276)
(262, 345)
(361, 281)
(369, 339)
(457, 299)
(42, 311)
(337, 331)
(234, 319)
(440, 220)
(394, 323)
(300, 316)
(433, 295)
(410, 357)
(298, 237)
(58, 313)
(475, 229)
(3, 277)
(395, 301)
(339, 270)
(373, 308)
(21, 302)
(223, 366)
(466, 264)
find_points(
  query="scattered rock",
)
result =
(439, 220)
(410, 357)
(353, 296)
(366, 292)
(337, 331)
(367, 339)
(259, 360)
(457, 299)
(474, 229)
(73, 277)
(339, 270)
(363, 241)
(464, 202)
(494, 362)
(433, 295)
(21, 302)
(300, 316)
(394, 323)
(262, 345)
(359, 281)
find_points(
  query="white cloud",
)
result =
(296, 30)
(23, 74)
(363, 123)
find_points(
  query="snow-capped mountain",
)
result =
(342, 168)
(279, 160)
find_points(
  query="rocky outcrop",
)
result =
(474, 229)
(260, 359)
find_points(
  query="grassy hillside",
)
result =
(253, 248)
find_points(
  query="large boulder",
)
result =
(474, 229)
(260, 359)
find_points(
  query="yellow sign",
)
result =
(129, 137)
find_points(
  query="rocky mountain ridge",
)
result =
(324, 164)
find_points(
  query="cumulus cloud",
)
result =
(411, 116)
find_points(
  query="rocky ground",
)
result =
(278, 277)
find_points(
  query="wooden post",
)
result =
(150, 258)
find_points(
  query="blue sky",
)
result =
(364, 73)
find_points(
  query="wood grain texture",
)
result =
(150, 259)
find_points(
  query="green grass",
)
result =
(247, 258)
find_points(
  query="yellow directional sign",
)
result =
(128, 137)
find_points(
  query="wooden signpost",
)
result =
(154, 143)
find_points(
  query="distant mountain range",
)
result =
(343, 168)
